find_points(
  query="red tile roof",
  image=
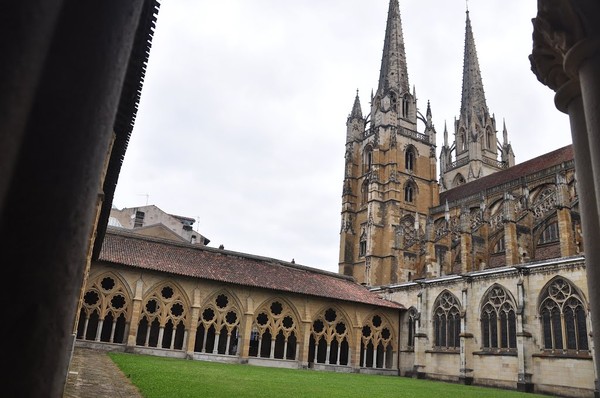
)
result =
(126, 248)
(531, 166)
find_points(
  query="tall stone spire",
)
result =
(393, 73)
(473, 97)
(356, 109)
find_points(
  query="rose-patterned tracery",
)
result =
(103, 315)
(218, 327)
(274, 332)
(376, 344)
(329, 339)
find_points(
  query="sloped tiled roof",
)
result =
(528, 167)
(126, 248)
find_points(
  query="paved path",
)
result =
(92, 374)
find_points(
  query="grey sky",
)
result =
(242, 119)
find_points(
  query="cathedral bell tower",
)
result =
(475, 144)
(390, 175)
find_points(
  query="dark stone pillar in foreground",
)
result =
(63, 68)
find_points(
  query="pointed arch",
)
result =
(459, 179)
(446, 321)
(410, 158)
(219, 324)
(105, 309)
(377, 345)
(412, 316)
(330, 337)
(562, 309)
(164, 317)
(410, 191)
(275, 330)
(368, 158)
(498, 319)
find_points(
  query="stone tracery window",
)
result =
(328, 341)
(274, 332)
(410, 191)
(549, 234)
(104, 312)
(446, 322)
(498, 320)
(376, 345)
(218, 327)
(563, 317)
(163, 318)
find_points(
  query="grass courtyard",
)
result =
(158, 377)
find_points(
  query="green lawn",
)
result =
(158, 377)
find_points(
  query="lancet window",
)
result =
(163, 318)
(274, 332)
(218, 327)
(328, 341)
(104, 312)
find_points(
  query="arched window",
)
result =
(490, 138)
(104, 311)
(499, 246)
(409, 192)
(550, 234)
(364, 192)
(409, 158)
(368, 158)
(411, 327)
(163, 319)
(446, 322)
(405, 106)
(563, 317)
(376, 344)
(462, 140)
(362, 246)
(274, 332)
(458, 180)
(498, 320)
(329, 338)
(218, 327)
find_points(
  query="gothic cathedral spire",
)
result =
(394, 72)
(389, 176)
(475, 146)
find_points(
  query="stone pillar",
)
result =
(136, 313)
(420, 338)
(466, 343)
(193, 330)
(306, 326)
(524, 380)
(466, 242)
(245, 334)
(511, 243)
(566, 58)
(563, 213)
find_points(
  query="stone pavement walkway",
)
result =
(92, 374)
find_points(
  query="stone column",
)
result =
(136, 313)
(466, 342)
(466, 241)
(511, 243)
(566, 58)
(244, 335)
(420, 337)
(524, 381)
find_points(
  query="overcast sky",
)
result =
(241, 123)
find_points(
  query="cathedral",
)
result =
(473, 274)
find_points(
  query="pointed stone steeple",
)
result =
(476, 147)
(473, 97)
(356, 109)
(393, 73)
